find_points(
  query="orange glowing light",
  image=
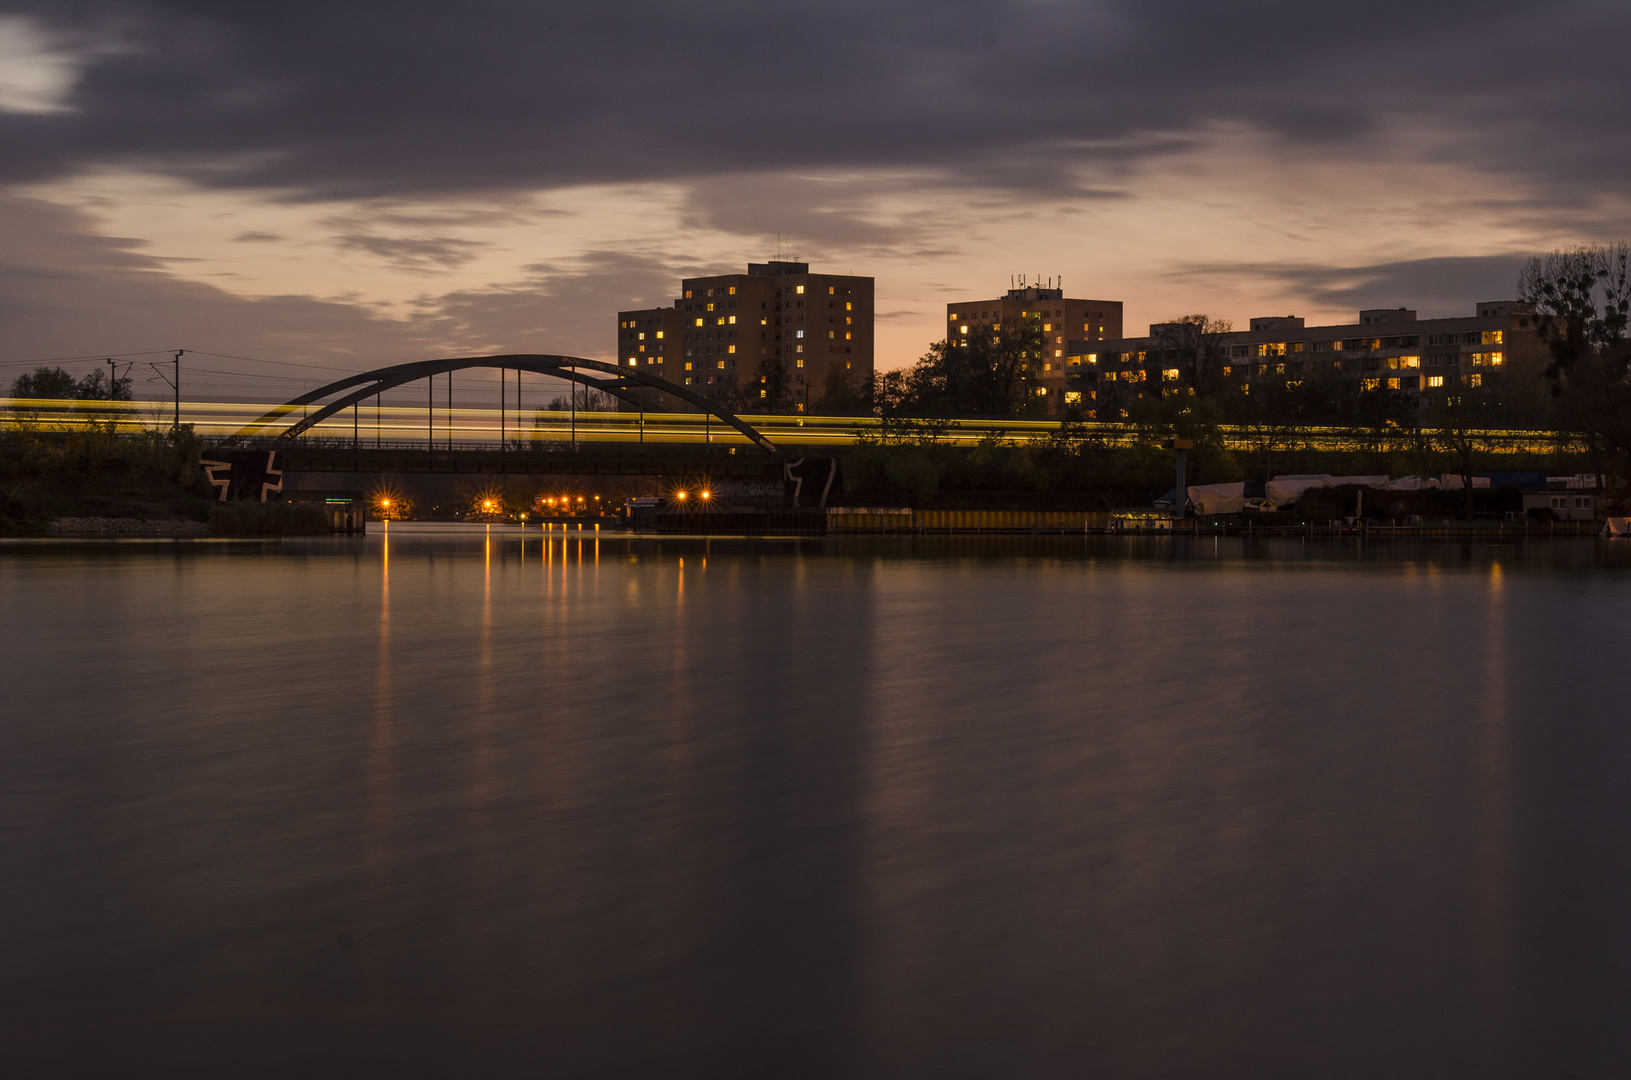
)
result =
(707, 494)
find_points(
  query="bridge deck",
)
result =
(594, 460)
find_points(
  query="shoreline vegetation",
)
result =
(93, 480)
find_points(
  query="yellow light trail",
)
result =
(396, 424)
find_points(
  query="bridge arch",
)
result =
(597, 374)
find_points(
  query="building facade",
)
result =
(777, 335)
(1388, 348)
(1064, 321)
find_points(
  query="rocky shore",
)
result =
(118, 526)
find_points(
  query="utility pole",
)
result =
(175, 384)
(113, 377)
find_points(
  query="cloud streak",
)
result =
(369, 99)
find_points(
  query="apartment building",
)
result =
(1388, 348)
(732, 336)
(1064, 321)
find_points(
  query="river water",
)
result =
(466, 802)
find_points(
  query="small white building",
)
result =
(1565, 505)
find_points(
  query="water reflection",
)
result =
(881, 806)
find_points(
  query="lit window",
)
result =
(733, 290)
(719, 363)
(659, 333)
(688, 378)
(1371, 384)
(688, 368)
(847, 335)
(699, 322)
(799, 290)
(1042, 391)
(1169, 374)
(1435, 380)
(1410, 361)
(851, 307)
(1491, 337)
(733, 320)
(949, 318)
(1058, 352)
(799, 362)
(688, 294)
(710, 306)
(1073, 397)
(962, 329)
(798, 333)
(632, 361)
(1393, 384)
(1047, 327)
(1475, 379)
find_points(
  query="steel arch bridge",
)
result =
(591, 373)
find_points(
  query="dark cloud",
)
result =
(1436, 288)
(416, 254)
(253, 237)
(409, 98)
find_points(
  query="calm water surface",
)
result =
(463, 804)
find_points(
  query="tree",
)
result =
(1194, 344)
(1459, 417)
(1582, 299)
(840, 396)
(1002, 366)
(53, 383)
(771, 392)
(45, 383)
(991, 372)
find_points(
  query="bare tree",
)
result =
(1194, 344)
(1459, 418)
(1582, 299)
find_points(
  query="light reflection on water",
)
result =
(464, 802)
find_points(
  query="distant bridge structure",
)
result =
(250, 463)
(354, 389)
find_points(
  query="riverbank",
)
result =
(96, 477)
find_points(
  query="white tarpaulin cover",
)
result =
(1208, 499)
(1285, 490)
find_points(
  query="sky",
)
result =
(321, 188)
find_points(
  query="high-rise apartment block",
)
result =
(1063, 321)
(742, 338)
